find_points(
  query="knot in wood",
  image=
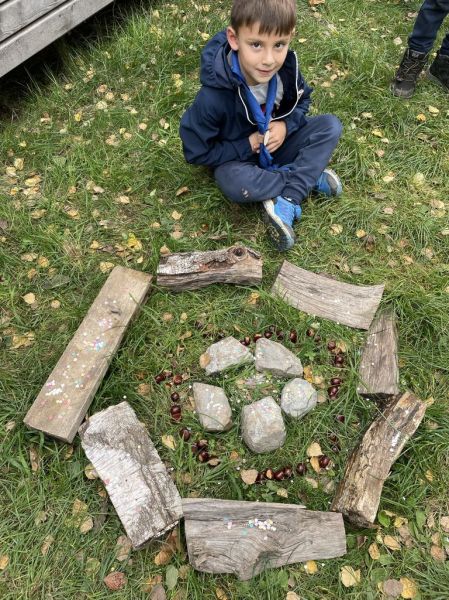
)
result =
(239, 252)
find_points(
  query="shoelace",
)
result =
(410, 68)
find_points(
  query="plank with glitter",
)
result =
(245, 538)
(68, 392)
(122, 453)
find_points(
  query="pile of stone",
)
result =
(262, 423)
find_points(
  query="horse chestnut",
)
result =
(301, 468)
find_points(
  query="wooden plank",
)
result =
(142, 492)
(221, 538)
(66, 396)
(17, 14)
(358, 493)
(39, 34)
(322, 296)
(194, 270)
(379, 370)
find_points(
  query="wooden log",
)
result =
(322, 296)
(143, 494)
(358, 493)
(194, 270)
(17, 14)
(223, 535)
(66, 396)
(379, 370)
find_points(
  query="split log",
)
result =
(143, 494)
(358, 493)
(244, 538)
(322, 296)
(194, 270)
(68, 392)
(379, 371)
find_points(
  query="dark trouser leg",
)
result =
(306, 153)
(445, 46)
(427, 24)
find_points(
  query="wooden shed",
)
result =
(27, 26)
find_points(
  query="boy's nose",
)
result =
(268, 59)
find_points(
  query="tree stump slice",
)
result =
(321, 296)
(194, 270)
(379, 370)
(68, 392)
(358, 493)
(220, 538)
(143, 494)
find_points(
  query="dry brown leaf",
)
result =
(176, 215)
(29, 298)
(312, 482)
(444, 524)
(164, 250)
(167, 317)
(143, 389)
(311, 567)
(292, 596)
(169, 441)
(410, 589)
(4, 562)
(205, 360)
(105, 267)
(90, 472)
(123, 548)
(249, 476)
(22, 341)
(350, 577)
(48, 541)
(391, 542)
(115, 581)
(314, 450)
(234, 455)
(308, 373)
(164, 556)
(336, 229)
(392, 588)
(253, 298)
(182, 190)
(437, 553)
(373, 551)
(315, 464)
(221, 594)
(34, 459)
(282, 492)
(86, 525)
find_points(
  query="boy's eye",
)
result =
(280, 45)
(255, 44)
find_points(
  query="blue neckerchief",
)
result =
(262, 120)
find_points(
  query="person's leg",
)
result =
(245, 182)
(427, 24)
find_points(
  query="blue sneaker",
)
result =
(280, 214)
(328, 184)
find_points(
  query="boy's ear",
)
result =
(232, 38)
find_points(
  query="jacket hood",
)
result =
(215, 70)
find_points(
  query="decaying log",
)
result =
(358, 493)
(321, 296)
(244, 538)
(66, 396)
(193, 270)
(144, 496)
(379, 371)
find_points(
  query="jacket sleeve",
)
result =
(200, 130)
(296, 118)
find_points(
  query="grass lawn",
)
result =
(91, 163)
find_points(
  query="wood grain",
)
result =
(220, 538)
(379, 370)
(143, 494)
(322, 296)
(358, 493)
(66, 396)
(17, 14)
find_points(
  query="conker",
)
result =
(341, 418)
(246, 341)
(317, 339)
(339, 360)
(336, 381)
(335, 448)
(177, 379)
(267, 334)
(332, 391)
(280, 334)
(279, 475)
(310, 332)
(301, 468)
(269, 473)
(288, 472)
(333, 437)
(260, 477)
(175, 409)
(202, 444)
(323, 461)
(203, 456)
(174, 397)
(293, 336)
(257, 336)
(159, 378)
(185, 433)
(331, 345)
(168, 373)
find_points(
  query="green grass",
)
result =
(137, 51)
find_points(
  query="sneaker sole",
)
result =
(400, 93)
(337, 183)
(436, 80)
(282, 234)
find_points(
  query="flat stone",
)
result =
(212, 407)
(263, 427)
(298, 397)
(224, 354)
(275, 358)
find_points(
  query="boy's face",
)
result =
(260, 55)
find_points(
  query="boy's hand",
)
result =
(278, 133)
(255, 139)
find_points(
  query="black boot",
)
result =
(439, 70)
(404, 82)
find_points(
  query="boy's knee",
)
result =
(229, 180)
(334, 126)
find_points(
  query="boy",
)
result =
(420, 42)
(248, 121)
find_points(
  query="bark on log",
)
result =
(194, 270)
(222, 536)
(379, 371)
(144, 496)
(358, 493)
(66, 396)
(321, 296)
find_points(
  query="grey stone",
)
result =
(298, 397)
(256, 380)
(224, 354)
(263, 427)
(275, 358)
(212, 407)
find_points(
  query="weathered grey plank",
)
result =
(36, 36)
(17, 14)
(193, 270)
(322, 296)
(143, 494)
(66, 396)
(358, 493)
(220, 538)
(379, 370)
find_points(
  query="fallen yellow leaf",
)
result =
(29, 298)
(349, 577)
(410, 589)
(373, 551)
(311, 567)
(314, 450)
(169, 441)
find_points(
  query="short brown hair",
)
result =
(273, 16)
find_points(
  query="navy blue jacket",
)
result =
(216, 127)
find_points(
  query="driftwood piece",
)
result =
(66, 396)
(223, 535)
(143, 494)
(194, 270)
(322, 296)
(358, 493)
(379, 371)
